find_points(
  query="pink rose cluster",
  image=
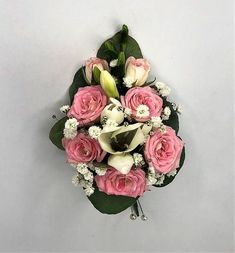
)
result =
(162, 150)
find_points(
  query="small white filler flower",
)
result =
(142, 111)
(70, 128)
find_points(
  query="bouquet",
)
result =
(119, 132)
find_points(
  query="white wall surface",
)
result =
(42, 44)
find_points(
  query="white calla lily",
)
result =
(122, 139)
(121, 162)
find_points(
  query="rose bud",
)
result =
(113, 111)
(121, 162)
(108, 84)
(136, 71)
(90, 65)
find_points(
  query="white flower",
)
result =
(166, 91)
(179, 109)
(113, 63)
(138, 159)
(160, 178)
(142, 111)
(160, 85)
(89, 191)
(121, 162)
(69, 134)
(166, 113)
(163, 89)
(156, 121)
(82, 168)
(71, 123)
(172, 173)
(70, 128)
(75, 180)
(88, 176)
(127, 112)
(128, 81)
(64, 108)
(151, 179)
(94, 132)
(100, 171)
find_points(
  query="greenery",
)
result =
(110, 204)
(56, 133)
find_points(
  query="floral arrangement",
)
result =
(120, 130)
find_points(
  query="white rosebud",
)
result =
(136, 71)
(94, 132)
(93, 62)
(64, 108)
(121, 162)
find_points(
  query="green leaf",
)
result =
(78, 81)
(56, 134)
(173, 120)
(167, 179)
(110, 204)
(121, 58)
(96, 74)
(131, 47)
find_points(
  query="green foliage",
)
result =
(167, 179)
(56, 133)
(110, 204)
(121, 41)
(78, 81)
(173, 120)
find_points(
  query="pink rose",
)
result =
(142, 96)
(163, 150)
(94, 62)
(83, 149)
(88, 104)
(114, 182)
(137, 71)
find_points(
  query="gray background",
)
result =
(42, 44)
